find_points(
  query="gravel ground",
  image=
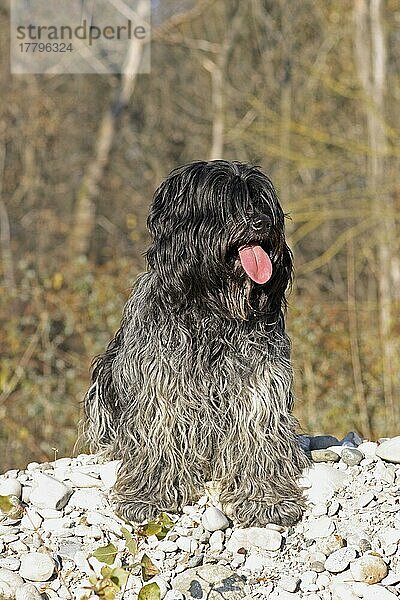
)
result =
(347, 546)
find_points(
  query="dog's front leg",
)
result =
(160, 470)
(260, 481)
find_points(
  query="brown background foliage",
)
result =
(310, 92)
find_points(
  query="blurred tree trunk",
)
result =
(370, 58)
(5, 236)
(84, 215)
(218, 70)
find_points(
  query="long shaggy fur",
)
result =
(196, 384)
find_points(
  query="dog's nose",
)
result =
(261, 223)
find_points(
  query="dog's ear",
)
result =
(281, 284)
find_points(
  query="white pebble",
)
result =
(368, 569)
(187, 544)
(339, 560)
(319, 528)
(390, 450)
(368, 449)
(10, 562)
(365, 499)
(81, 480)
(288, 583)
(27, 592)
(31, 519)
(254, 564)
(89, 499)
(10, 487)
(37, 566)
(216, 541)
(343, 591)
(9, 583)
(321, 481)
(258, 537)
(49, 492)
(319, 509)
(214, 519)
(378, 592)
(168, 546)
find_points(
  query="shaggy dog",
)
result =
(196, 383)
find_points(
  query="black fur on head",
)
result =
(201, 216)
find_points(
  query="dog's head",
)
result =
(219, 241)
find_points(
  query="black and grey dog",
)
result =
(196, 384)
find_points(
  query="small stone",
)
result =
(217, 541)
(365, 499)
(195, 561)
(9, 583)
(289, 584)
(258, 537)
(317, 566)
(390, 450)
(319, 528)
(28, 592)
(89, 499)
(81, 480)
(56, 524)
(32, 466)
(208, 581)
(339, 560)
(187, 544)
(319, 510)
(333, 508)
(333, 543)
(85, 531)
(321, 481)
(167, 546)
(392, 578)
(364, 545)
(321, 442)
(307, 581)
(214, 519)
(18, 547)
(368, 569)
(51, 513)
(10, 487)
(351, 439)
(109, 472)
(254, 563)
(49, 492)
(69, 547)
(198, 532)
(343, 591)
(351, 456)
(324, 455)
(389, 536)
(36, 566)
(31, 519)
(323, 580)
(10, 562)
(390, 550)
(378, 592)
(368, 449)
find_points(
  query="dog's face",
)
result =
(218, 241)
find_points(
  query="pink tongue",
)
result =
(256, 262)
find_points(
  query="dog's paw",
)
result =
(136, 512)
(285, 513)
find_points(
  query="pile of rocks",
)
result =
(347, 546)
